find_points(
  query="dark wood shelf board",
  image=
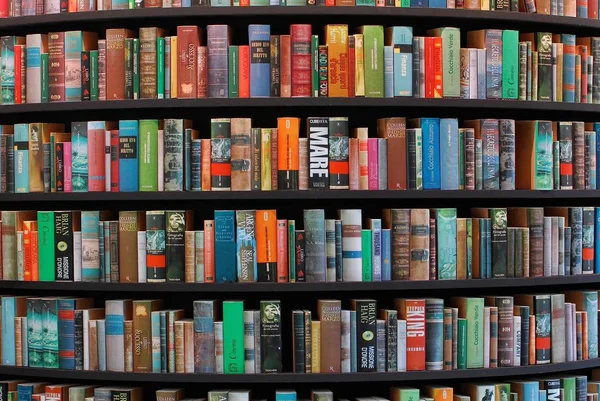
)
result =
(537, 282)
(291, 378)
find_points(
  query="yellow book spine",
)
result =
(174, 63)
(337, 57)
(265, 159)
(316, 346)
(359, 65)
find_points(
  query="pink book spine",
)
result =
(68, 167)
(96, 172)
(373, 165)
(354, 165)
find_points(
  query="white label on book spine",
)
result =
(141, 250)
(351, 244)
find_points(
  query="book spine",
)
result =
(338, 153)
(270, 335)
(204, 337)
(225, 246)
(259, 38)
(434, 325)
(218, 43)
(233, 335)
(446, 252)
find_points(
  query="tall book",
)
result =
(266, 245)
(472, 309)
(288, 132)
(533, 151)
(329, 313)
(338, 153)
(491, 41)
(366, 344)
(318, 143)
(225, 248)
(220, 165)
(156, 246)
(127, 153)
(188, 40)
(148, 61)
(451, 56)
(336, 39)
(205, 313)
(259, 37)
(301, 37)
(270, 336)
(373, 60)
(76, 42)
(149, 155)
(413, 312)
(218, 41)
(233, 337)
(117, 311)
(142, 327)
(115, 62)
(37, 44)
(241, 154)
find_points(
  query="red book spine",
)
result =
(114, 160)
(330, 3)
(27, 273)
(209, 251)
(18, 56)
(244, 72)
(285, 66)
(244, 3)
(301, 36)
(35, 267)
(582, 51)
(96, 145)
(437, 68)
(282, 251)
(429, 68)
(592, 7)
(415, 334)
(202, 72)
(351, 66)
(4, 8)
(39, 7)
(188, 40)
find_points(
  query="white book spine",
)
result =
(257, 349)
(161, 160)
(352, 244)
(555, 247)
(472, 73)
(481, 66)
(240, 395)
(345, 341)
(86, 340)
(558, 328)
(218, 347)
(570, 354)
(574, 331)
(199, 256)
(249, 334)
(401, 346)
(141, 250)
(107, 162)
(51, 6)
(547, 246)
(20, 257)
(34, 67)
(115, 337)
(517, 340)
(486, 337)
(76, 255)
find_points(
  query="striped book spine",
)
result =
(351, 244)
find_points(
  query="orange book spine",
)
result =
(244, 3)
(282, 252)
(27, 276)
(285, 72)
(209, 251)
(206, 185)
(531, 340)
(429, 68)
(35, 268)
(442, 393)
(336, 39)
(244, 71)
(266, 245)
(437, 68)
(288, 163)
(584, 336)
(72, 7)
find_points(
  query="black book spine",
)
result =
(581, 383)
(416, 68)
(299, 342)
(339, 157)
(505, 331)
(499, 242)
(47, 161)
(175, 246)
(10, 164)
(78, 340)
(544, 42)
(60, 167)
(391, 326)
(366, 335)
(543, 329)
(270, 336)
(63, 241)
(300, 254)
(114, 251)
(275, 77)
(524, 335)
(3, 391)
(85, 76)
(412, 158)
(318, 153)
(552, 389)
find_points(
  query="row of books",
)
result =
(169, 155)
(254, 245)
(414, 335)
(498, 64)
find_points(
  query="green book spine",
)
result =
(233, 337)
(148, 160)
(461, 158)
(131, 4)
(128, 69)
(568, 386)
(373, 54)
(405, 3)
(160, 68)
(93, 75)
(451, 64)
(314, 52)
(46, 246)
(510, 64)
(44, 78)
(475, 333)
(367, 266)
(291, 250)
(462, 343)
(136, 67)
(234, 60)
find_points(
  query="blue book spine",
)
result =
(419, 3)
(376, 249)
(386, 254)
(597, 129)
(542, 395)
(403, 61)
(339, 255)
(247, 269)
(21, 158)
(102, 253)
(73, 49)
(597, 243)
(446, 243)
(24, 392)
(289, 395)
(488, 247)
(66, 334)
(106, 273)
(437, 3)
(568, 88)
(9, 309)
(186, 3)
(101, 328)
(128, 156)
(531, 390)
(388, 75)
(163, 342)
(155, 329)
(431, 152)
(591, 307)
(225, 252)
(481, 74)
(260, 68)
(490, 136)
(449, 153)
(353, 341)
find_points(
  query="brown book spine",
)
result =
(578, 155)
(241, 154)
(432, 250)
(188, 40)
(93, 344)
(202, 72)
(448, 339)
(18, 342)
(206, 181)
(330, 315)
(142, 331)
(128, 325)
(152, 3)
(115, 63)
(532, 335)
(130, 222)
(493, 337)
(102, 69)
(461, 248)
(398, 220)
(286, 65)
(188, 340)
(505, 330)
(190, 256)
(56, 66)
(179, 347)
(536, 241)
(394, 130)
(419, 244)
(148, 81)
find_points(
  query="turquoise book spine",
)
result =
(79, 157)
(156, 351)
(510, 64)
(101, 329)
(9, 310)
(34, 336)
(50, 333)
(7, 69)
(102, 252)
(21, 158)
(285, 395)
(73, 48)
(225, 248)
(367, 266)
(446, 243)
(543, 149)
(233, 337)
(173, 155)
(90, 246)
(591, 307)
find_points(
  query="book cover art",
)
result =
(79, 156)
(544, 67)
(173, 154)
(220, 154)
(270, 334)
(338, 153)
(318, 144)
(175, 245)
(246, 245)
(35, 332)
(50, 333)
(446, 240)
(543, 154)
(156, 246)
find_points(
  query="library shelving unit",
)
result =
(292, 202)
